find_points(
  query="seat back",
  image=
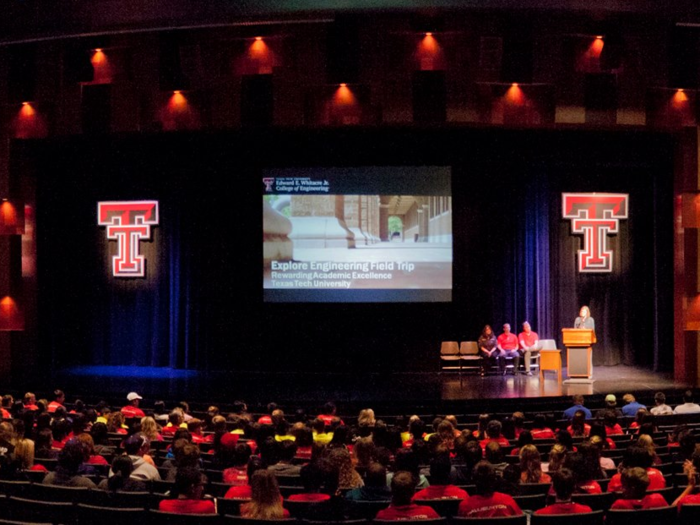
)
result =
(13, 488)
(468, 348)
(502, 520)
(43, 492)
(548, 344)
(596, 501)
(449, 348)
(157, 517)
(29, 510)
(531, 502)
(689, 514)
(238, 520)
(637, 517)
(588, 518)
(528, 489)
(368, 509)
(446, 508)
(109, 515)
(228, 506)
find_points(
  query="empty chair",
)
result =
(90, 514)
(589, 518)
(637, 517)
(469, 356)
(449, 355)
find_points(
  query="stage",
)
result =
(412, 392)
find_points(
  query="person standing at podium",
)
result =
(584, 319)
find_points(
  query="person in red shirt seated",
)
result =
(540, 430)
(636, 456)
(635, 482)
(328, 414)
(6, 403)
(525, 438)
(585, 464)
(189, 485)
(493, 433)
(486, 502)
(690, 468)
(94, 458)
(612, 427)
(59, 399)
(266, 500)
(440, 487)
(245, 492)
(564, 485)
(403, 486)
(508, 347)
(176, 420)
(233, 457)
(529, 345)
(579, 427)
(266, 419)
(131, 409)
(30, 401)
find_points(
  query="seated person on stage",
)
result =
(440, 487)
(636, 456)
(486, 502)
(635, 482)
(508, 347)
(402, 508)
(564, 484)
(690, 469)
(529, 345)
(189, 486)
(488, 349)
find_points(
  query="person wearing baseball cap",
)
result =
(132, 408)
(610, 404)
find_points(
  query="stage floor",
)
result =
(428, 391)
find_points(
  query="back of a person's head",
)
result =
(525, 438)
(329, 408)
(407, 460)
(403, 487)
(610, 418)
(264, 488)
(518, 419)
(577, 399)
(375, 475)
(134, 443)
(122, 467)
(564, 484)
(241, 454)
(189, 482)
(635, 482)
(494, 428)
(660, 398)
(628, 398)
(484, 478)
(286, 450)
(688, 396)
(494, 453)
(539, 421)
(529, 454)
(73, 454)
(440, 468)
(188, 456)
(636, 456)
(564, 438)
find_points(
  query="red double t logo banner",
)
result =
(595, 216)
(128, 222)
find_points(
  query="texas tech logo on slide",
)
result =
(595, 215)
(128, 222)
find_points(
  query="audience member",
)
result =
(660, 406)
(72, 456)
(635, 482)
(189, 489)
(631, 406)
(636, 456)
(486, 502)
(440, 487)
(121, 481)
(131, 409)
(688, 407)
(564, 484)
(266, 500)
(531, 467)
(578, 405)
(375, 488)
(402, 508)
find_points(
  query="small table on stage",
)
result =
(579, 359)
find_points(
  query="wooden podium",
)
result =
(579, 358)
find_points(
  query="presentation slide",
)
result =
(365, 234)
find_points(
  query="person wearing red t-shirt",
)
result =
(564, 485)
(59, 399)
(328, 415)
(508, 346)
(132, 407)
(690, 468)
(540, 430)
(529, 345)
(189, 484)
(636, 456)
(486, 502)
(635, 482)
(29, 401)
(440, 487)
(612, 427)
(493, 433)
(403, 486)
